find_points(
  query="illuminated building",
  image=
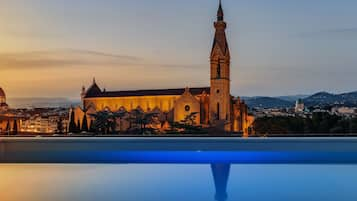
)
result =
(44, 123)
(299, 106)
(3, 104)
(33, 121)
(214, 106)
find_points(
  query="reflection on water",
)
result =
(177, 182)
(220, 175)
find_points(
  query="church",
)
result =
(213, 106)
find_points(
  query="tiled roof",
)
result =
(155, 92)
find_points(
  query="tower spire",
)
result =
(220, 14)
(220, 98)
(220, 38)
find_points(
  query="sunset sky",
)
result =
(50, 48)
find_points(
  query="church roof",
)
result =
(153, 92)
(220, 39)
(2, 93)
(93, 90)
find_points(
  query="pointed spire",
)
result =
(220, 14)
(220, 39)
(93, 90)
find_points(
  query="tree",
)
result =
(60, 126)
(353, 125)
(321, 122)
(101, 122)
(15, 129)
(148, 118)
(72, 124)
(92, 126)
(139, 121)
(105, 121)
(8, 129)
(135, 118)
(187, 126)
(85, 124)
(122, 114)
(190, 119)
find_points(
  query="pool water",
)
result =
(178, 182)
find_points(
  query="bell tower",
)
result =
(220, 105)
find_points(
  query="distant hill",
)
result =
(318, 99)
(267, 102)
(40, 102)
(293, 98)
(325, 98)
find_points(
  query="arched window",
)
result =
(219, 70)
(218, 111)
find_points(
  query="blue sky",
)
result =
(51, 48)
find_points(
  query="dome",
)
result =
(2, 98)
(2, 93)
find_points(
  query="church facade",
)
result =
(213, 106)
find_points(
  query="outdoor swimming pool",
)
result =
(183, 169)
(177, 182)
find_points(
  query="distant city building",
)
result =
(320, 110)
(45, 121)
(344, 111)
(299, 106)
(212, 106)
(31, 121)
(272, 112)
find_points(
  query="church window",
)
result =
(218, 111)
(217, 91)
(187, 108)
(219, 70)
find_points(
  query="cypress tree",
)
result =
(353, 126)
(8, 127)
(72, 124)
(85, 123)
(92, 126)
(15, 131)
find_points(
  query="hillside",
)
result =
(325, 98)
(318, 99)
(267, 102)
